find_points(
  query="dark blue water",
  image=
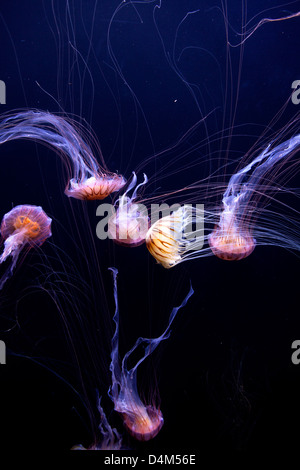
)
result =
(141, 74)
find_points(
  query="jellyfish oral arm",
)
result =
(12, 246)
(114, 365)
(262, 163)
(110, 438)
(153, 343)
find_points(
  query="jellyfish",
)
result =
(24, 226)
(129, 223)
(88, 180)
(171, 240)
(232, 237)
(142, 421)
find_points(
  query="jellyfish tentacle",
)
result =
(89, 181)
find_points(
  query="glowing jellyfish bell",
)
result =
(24, 226)
(129, 223)
(88, 181)
(142, 421)
(95, 187)
(231, 239)
(171, 240)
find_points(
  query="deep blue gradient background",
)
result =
(225, 377)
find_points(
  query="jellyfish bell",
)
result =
(95, 187)
(26, 222)
(24, 225)
(128, 226)
(162, 240)
(143, 423)
(170, 239)
(129, 223)
(232, 245)
(229, 241)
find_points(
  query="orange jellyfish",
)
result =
(88, 181)
(142, 421)
(171, 240)
(95, 188)
(24, 226)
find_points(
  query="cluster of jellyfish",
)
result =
(233, 236)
